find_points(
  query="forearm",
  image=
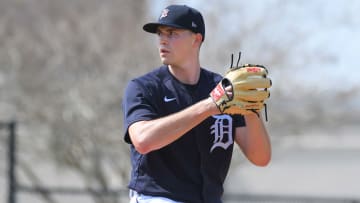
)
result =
(155, 134)
(254, 140)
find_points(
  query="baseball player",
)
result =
(181, 120)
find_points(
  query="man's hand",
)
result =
(243, 90)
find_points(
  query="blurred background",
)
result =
(64, 65)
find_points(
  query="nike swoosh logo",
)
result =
(169, 99)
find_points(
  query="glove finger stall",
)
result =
(252, 83)
(252, 95)
(242, 73)
(244, 108)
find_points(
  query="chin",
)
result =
(165, 62)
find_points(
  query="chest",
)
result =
(174, 97)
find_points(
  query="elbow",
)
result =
(141, 146)
(142, 142)
(261, 161)
(142, 150)
(139, 139)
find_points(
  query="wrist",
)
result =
(211, 106)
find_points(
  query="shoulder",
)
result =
(215, 77)
(149, 80)
(151, 76)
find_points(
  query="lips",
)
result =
(164, 51)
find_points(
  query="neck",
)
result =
(187, 74)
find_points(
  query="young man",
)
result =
(181, 146)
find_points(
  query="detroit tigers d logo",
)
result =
(222, 131)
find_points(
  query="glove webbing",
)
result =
(237, 65)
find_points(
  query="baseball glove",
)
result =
(243, 90)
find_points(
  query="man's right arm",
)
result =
(151, 135)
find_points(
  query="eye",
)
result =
(171, 33)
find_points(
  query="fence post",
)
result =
(12, 162)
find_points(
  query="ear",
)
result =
(198, 38)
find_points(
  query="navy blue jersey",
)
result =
(192, 168)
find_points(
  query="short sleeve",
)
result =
(137, 106)
(239, 121)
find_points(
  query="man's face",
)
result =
(175, 45)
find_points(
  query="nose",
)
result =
(163, 39)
